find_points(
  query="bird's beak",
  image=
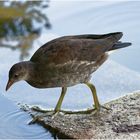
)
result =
(9, 84)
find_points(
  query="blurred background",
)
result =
(27, 25)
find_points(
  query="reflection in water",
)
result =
(111, 80)
(18, 21)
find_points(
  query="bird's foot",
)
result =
(66, 112)
(54, 113)
(40, 117)
(88, 111)
(101, 106)
(41, 110)
(107, 108)
(47, 113)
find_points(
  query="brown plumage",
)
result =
(66, 61)
(79, 48)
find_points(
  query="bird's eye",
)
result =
(16, 75)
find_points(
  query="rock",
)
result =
(122, 122)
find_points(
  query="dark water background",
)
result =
(118, 76)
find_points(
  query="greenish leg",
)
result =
(95, 98)
(47, 112)
(59, 103)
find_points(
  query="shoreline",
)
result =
(122, 122)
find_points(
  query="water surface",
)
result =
(118, 76)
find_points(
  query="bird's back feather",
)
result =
(79, 48)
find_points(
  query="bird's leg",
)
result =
(59, 103)
(56, 110)
(95, 97)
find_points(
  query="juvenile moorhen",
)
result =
(67, 61)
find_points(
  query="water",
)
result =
(13, 123)
(118, 76)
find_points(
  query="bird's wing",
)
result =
(97, 36)
(78, 48)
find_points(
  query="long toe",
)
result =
(107, 108)
(88, 111)
(41, 110)
(101, 106)
(40, 117)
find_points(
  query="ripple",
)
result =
(126, 13)
(14, 125)
(122, 16)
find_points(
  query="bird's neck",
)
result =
(30, 69)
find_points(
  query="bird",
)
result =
(67, 61)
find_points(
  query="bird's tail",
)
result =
(120, 45)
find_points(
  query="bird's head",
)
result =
(17, 73)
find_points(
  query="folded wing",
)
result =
(75, 48)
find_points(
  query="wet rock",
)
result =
(122, 122)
